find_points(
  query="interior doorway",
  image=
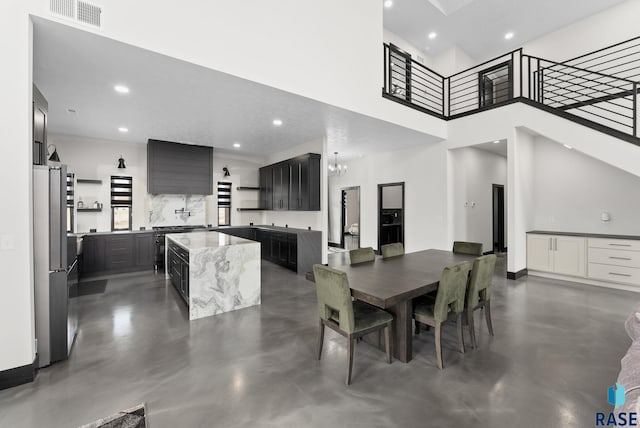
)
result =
(390, 213)
(350, 218)
(499, 241)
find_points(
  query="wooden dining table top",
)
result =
(385, 282)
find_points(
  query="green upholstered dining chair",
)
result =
(392, 250)
(479, 292)
(448, 300)
(351, 319)
(362, 255)
(472, 248)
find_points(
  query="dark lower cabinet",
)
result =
(117, 253)
(178, 260)
(292, 251)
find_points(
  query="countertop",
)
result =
(117, 232)
(587, 235)
(199, 240)
(266, 227)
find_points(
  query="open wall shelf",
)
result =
(89, 181)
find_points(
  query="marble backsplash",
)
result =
(164, 207)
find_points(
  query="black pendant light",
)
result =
(54, 156)
(121, 164)
(226, 171)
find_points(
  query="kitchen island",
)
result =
(213, 272)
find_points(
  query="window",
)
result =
(121, 202)
(70, 203)
(224, 203)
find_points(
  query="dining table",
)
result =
(392, 284)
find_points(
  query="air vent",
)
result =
(89, 14)
(77, 10)
(63, 7)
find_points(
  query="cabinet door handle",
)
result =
(555, 241)
(618, 274)
(619, 258)
(550, 244)
(620, 245)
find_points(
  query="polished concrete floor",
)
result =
(557, 348)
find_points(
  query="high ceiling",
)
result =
(178, 101)
(479, 26)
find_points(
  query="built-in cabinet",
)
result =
(592, 257)
(564, 255)
(291, 185)
(114, 253)
(178, 268)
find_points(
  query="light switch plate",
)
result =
(6, 242)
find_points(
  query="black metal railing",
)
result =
(597, 89)
(410, 82)
(620, 60)
(606, 100)
(493, 82)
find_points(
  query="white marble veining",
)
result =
(224, 272)
(163, 210)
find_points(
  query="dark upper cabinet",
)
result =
(281, 186)
(266, 188)
(304, 187)
(174, 168)
(40, 117)
(292, 185)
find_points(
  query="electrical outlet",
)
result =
(6, 242)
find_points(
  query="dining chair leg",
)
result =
(460, 338)
(438, 329)
(487, 316)
(320, 338)
(472, 328)
(387, 342)
(417, 327)
(351, 341)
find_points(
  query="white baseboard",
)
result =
(585, 281)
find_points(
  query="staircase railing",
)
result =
(573, 89)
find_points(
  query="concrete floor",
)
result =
(556, 350)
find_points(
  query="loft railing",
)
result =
(608, 102)
(491, 83)
(620, 60)
(410, 82)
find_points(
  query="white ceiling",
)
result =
(479, 26)
(178, 101)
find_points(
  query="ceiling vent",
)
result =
(78, 10)
(63, 7)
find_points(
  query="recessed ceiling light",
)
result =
(236, 145)
(123, 129)
(388, 3)
(121, 89)
(277, 122)
(568, 146)
(496, 142)
(432, 35)
(508, 36)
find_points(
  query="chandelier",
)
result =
(336, 168)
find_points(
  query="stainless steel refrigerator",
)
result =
(56, 320)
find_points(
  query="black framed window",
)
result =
(121, 202)
(70, 203)
(224, 203)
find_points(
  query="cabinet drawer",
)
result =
(618, 244)
(614, 257)
(621, 274)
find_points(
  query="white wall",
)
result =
(608, 27)
(571, 190)
(17, 330)
(97, 159)
(474, 173)
(452, 61)
(423, 170)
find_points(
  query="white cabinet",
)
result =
(564, 255)
(614, 260)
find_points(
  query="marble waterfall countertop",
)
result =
(224, 272)
(199, 240)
